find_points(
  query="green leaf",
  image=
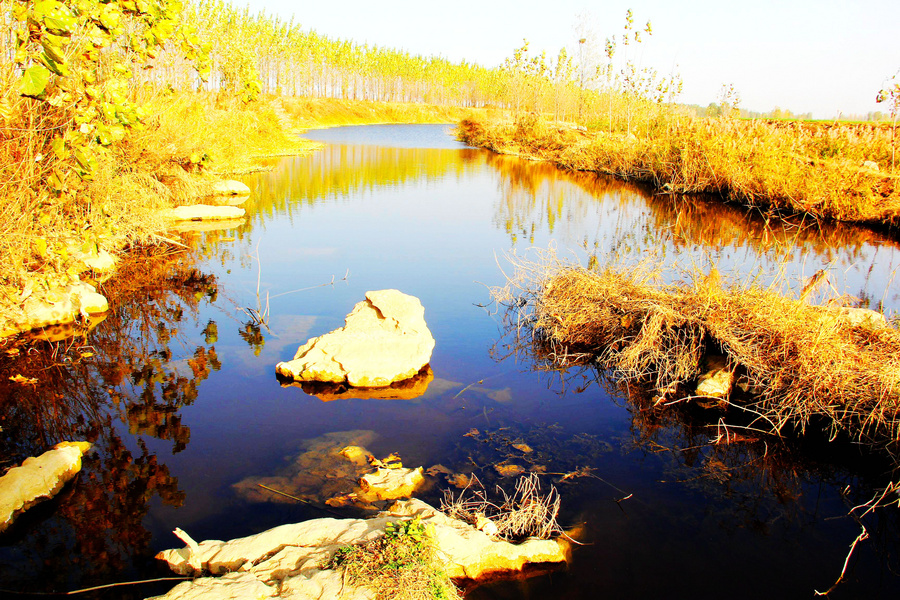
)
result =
(53, 49)
(59, 148)
(34, 81)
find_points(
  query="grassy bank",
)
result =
(188, 141)
(792, 365)
(838, 172)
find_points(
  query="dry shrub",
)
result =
(527, 513)
(800, 363)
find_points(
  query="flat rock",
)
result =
(203, 212)
(38, 478)
(287, 561)
(384, 339)
(201, 226)
(58, 307)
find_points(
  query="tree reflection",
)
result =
(632, 219)
(127, 374)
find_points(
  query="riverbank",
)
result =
(839, 172)
(188, 142)
(758, 359)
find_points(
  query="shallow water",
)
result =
(178, 389)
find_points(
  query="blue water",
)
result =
(408, 207)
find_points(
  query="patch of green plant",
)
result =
(401, 564)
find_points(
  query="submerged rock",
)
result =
(38, 478)
(384, 339)
(287, 561)
(390, 484)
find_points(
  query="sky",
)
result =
(827, 57)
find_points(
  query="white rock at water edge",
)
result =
(38, 478)
(230, 187)
(286, 562)
(61, 306)
(384, 339)
(203, 212)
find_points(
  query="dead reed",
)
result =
(527, 513)
(794, 364)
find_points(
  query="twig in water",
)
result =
(95, 588)
(306, 502)
(864, 535)
(312, 287)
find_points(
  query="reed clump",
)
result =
(527, 513)
(838, 172)
(795, 365)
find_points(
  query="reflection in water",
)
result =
(408, 389)
(688, 230)
(125, 372)
(336, 172)
(747, 516)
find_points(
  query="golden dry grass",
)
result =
(803, 365)
(815, 169)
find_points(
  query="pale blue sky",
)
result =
(823, 56)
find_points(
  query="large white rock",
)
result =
(288, 561)
(384, 339)
(38, 478)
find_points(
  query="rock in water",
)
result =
(38, 478)
(384, 339)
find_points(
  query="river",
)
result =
(177, 385)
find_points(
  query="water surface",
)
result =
(177, 386)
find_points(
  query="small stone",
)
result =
(716, 382)
(871, 164)
(230, 187)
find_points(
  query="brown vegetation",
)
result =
(822, 170)
(796, 365)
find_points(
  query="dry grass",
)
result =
(527, 513)
(809, 168)
(801, 364)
